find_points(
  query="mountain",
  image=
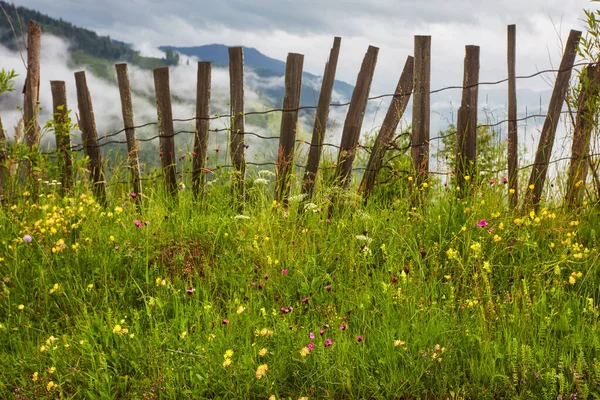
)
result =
(265, 67)
(87, 47)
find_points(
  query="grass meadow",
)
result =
(457, 298)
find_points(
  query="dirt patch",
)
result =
(184, 258)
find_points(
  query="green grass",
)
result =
(444, 308)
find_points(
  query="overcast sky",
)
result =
(277, 27)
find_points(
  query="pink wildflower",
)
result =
(482, 223)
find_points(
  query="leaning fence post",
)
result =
(132, 147)
(544, 150)
(62, 133)
(421, 109)
(202, 125)
(587, 113)
(354, 118)
(87, 124)
(466, 127)
(32, 97)
(320, 126)
(165, 128)
(513, 139)
(289, 125)
(390, 123)
(236, 89)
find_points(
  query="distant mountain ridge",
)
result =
(264, 67)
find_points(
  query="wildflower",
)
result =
(310, 346)
(54, 288)
(467, 177)
(511, 191)
(260, 181)
(399, 343)
(311, 335)
(328, 288)
(305, 299)
(138, 223)
(492, 181)
(241, 309)
(321, 332)
(181, 186)
(342, 327)
(34, 377)
(51, 370)
(225, 321)
(284, 271)
(497, 238)
(328, 342)
(304, 351)
(532, 186)
(227, 362)
(327, 221)
(363, 238)
(482, 223)
(117, 329)
(504, 180)
(241, 217)
(51, 385)
(191, 291)
(261, 371)
(228, 354)
(21, 307)
(27, 238)
(359, 338)
(263, 352)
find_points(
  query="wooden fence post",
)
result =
(544, 150)
(354, 118)
(132, 146)
(421, 109)
(62, 131)
(513, 138)
(390, 123)
(320, 126)
(202, 126)
(87, 125)
(587, 114)
(236, 89)
(466, 127)
(165, 128)
(32, 98)
(289, 125)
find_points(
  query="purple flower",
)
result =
(482, 223)
(492, 181)
(252, 284)
(191, 291)
(266, 276)
(305, 299)
(225, 321)
(147, 223)
(27, 238)
(327, 221)
(133, 195)
(321, 332)
(311, 335)
(310, 346)
(504, 180)
(328, 342)
(284, 271)
(328, 288)
(359, 338)
(138, 223)
(342, 327)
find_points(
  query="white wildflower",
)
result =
(266, 173)
(311, 207)
(241, 217)
(296, 198)
(363, 238)
(261, 181)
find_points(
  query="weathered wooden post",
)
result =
(587, 115)
(354, 118)
(513, 138)
(544, 150)
(320, 126)
(87, 124)
(236, 89)
(289, 125)
(32, 100)
(202, 126)
(421, 110)
(390, 123)
(132, 146)
(466, 127)
(63, 134)
(165, 128)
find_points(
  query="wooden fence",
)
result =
(414, 81)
